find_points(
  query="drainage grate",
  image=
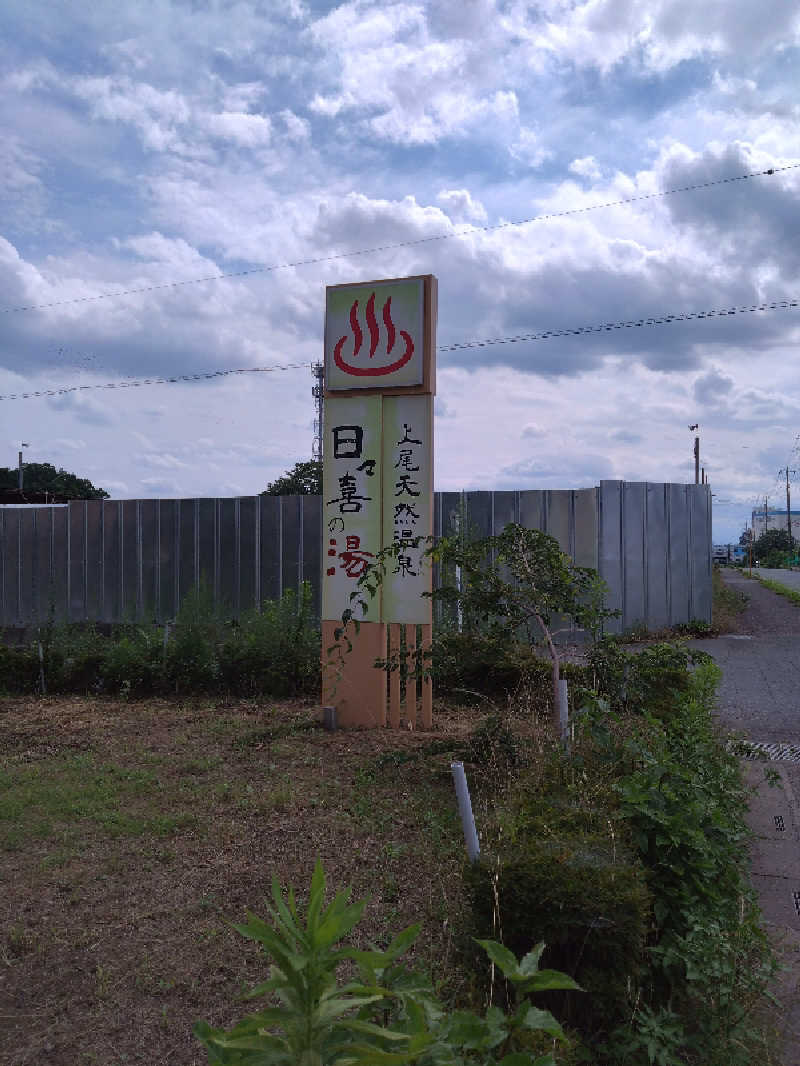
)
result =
(779, 823)
(755, 749)
(796, 898)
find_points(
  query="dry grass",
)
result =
(133, 834)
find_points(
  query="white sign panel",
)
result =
(351, 501)
(374, 335)
(407, 505)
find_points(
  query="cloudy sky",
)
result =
(149, 145)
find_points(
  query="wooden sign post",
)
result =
(377, 489)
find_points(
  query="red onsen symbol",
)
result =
(372, 325)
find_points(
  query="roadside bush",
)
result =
(19, 669)
(560, 880)
(73, 655)
(276, 651)
(133, 663)
(653, 679)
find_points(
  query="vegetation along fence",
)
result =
(125, 560)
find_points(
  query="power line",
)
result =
(771, 171)
(662, 320)
(548, 334)
(151, 381)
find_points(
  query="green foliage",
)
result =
(273, 652)
(773, 540)
(305, 478)
(561, 877)
(276, 650)
(684, 802)
(19, 669)
(384, 1013)
(650, 680)
(43, 477)
(514, 584)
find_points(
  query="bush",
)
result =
(275, 652)
(19, 669)
(562, 880)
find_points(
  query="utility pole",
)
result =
(696, 455)
(789, 507)
(766, 515)
(318, 371)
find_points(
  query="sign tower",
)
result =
(377, 489)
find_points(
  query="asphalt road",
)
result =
(759, 695)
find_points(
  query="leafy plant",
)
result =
(385, 1014)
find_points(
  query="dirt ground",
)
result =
(133, 834)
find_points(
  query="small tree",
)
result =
(515, 583)
(304, 479)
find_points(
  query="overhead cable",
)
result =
(547, 334)
(406, 244)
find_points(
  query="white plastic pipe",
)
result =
(465, 809)
(563, 711)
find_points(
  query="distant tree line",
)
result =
(44, 477)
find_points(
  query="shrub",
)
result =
(276, 651)
(385, 1014)
(561, 880)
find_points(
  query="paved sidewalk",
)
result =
(760, 695)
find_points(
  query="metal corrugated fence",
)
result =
(125, 560)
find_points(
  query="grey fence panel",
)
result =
(119, 560)
(77, 566)
(700, 552)
(478, 511)
(505, 509)
(271, 547)
(634, 552)
(26, 571)
(40, 564)
(560, 518)
(292, 540)
(249, 572)
(585, 527)
(112, 566)
(188, 561)
(226, 585)
(148, 575)
(311, 559)
(205, 538)
(610, 548)
(656, 580)
(532, 511)
(129, 554)
(59, 525)
(679, 572)
(93, 559)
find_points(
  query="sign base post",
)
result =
(359, 694)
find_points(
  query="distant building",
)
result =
(774, 519)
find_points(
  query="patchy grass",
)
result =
(776, 586)
(727, 603)
(133, 834)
